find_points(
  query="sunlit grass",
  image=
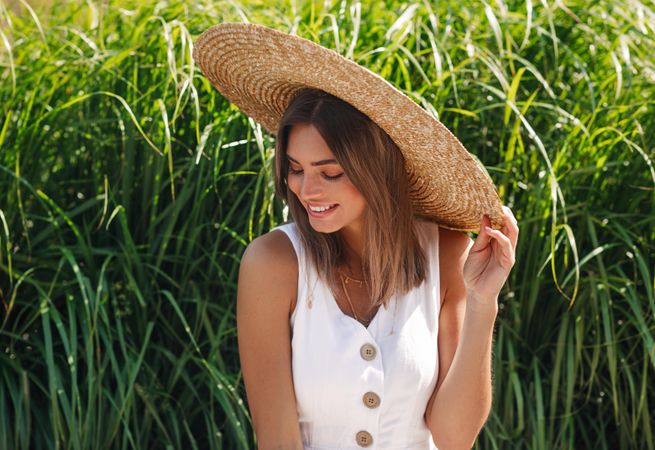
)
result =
(129, 188)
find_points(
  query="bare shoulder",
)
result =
(270, 263)
(272, 247)
(453, 243)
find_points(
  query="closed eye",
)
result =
(326, 176)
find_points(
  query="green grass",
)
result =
(129, 188)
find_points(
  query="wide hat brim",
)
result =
(261, 69)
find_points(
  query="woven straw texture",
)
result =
(260, 69)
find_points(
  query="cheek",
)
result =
(358, 199)
(293, 185)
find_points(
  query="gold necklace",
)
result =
(348, 277)
(344, 281)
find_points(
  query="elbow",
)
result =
(280, 444)
(453, 442)
(450, 436)
(280, 447)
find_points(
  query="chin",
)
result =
(324, 227)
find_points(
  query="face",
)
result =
(318, 181)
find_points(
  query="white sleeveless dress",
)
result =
(359, 387)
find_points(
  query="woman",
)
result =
(363, 322)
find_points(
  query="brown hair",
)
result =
(393, 261)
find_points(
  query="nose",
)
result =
(312, 187)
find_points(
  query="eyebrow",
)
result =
(322, 162)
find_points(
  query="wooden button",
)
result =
(364, 439)
(371, 399)
(367, 352)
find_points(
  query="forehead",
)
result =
(307, 144)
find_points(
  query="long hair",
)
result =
(393, 260)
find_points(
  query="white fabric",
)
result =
(330, 376)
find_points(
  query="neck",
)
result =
(353, 251)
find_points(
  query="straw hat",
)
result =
(260, 69)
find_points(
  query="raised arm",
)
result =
(474, 275)
(267, 289)
(461, 401)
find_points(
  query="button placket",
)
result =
(370, 399)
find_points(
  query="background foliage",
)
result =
(129, 188)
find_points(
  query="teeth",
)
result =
(320, 208)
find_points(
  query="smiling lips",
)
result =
(321, 211)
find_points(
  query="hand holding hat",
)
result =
(491, 258)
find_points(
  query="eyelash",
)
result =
(327, 177)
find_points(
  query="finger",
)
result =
(486, 220)
(508, 211)
(509, 216)
(511, 227)
(514, 236)
(504, 241)
(512, 233)
(499, 235)
(483, 238)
